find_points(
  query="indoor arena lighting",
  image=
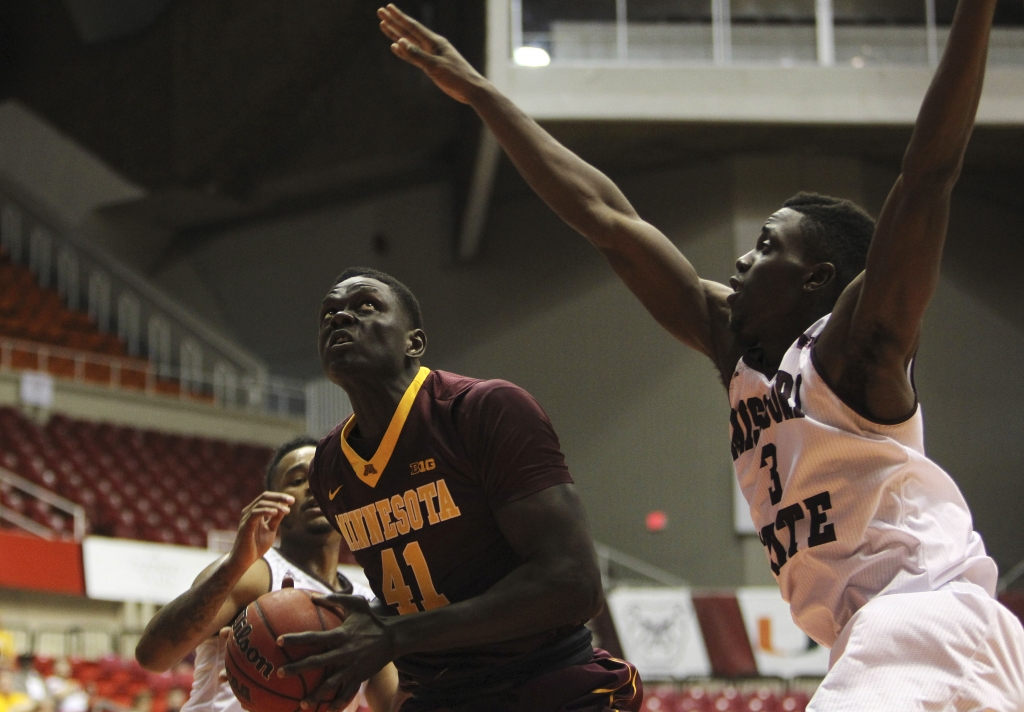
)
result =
(531, 57)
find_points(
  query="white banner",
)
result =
(659, 632)
(125, 570)
(781, 649)
(37, 389)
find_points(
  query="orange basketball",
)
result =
(253, 655)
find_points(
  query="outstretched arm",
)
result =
(219, 592)
(692, 310)
(868, 344)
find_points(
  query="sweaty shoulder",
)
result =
(507, 436)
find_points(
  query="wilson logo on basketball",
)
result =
(241, 629)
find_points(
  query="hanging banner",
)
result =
(34, 564)
(126, 570)
(659, 632)
(781, 649)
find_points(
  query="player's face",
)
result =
(292, 477)
(769, 281)
(363, 330)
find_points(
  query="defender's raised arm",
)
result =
(877, 323)
(691, 309)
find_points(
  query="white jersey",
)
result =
(211, 695)
(846, 508)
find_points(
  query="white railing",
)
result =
(613, 563)
(1010, 577)
(280, 396)
(153, 327)
(734, 32)
(75, 511)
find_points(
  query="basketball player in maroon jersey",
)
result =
(455, 499)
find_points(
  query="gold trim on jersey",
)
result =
(369, 471)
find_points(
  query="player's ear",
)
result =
(416, 343)
(822, 275)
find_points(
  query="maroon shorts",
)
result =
(605, 684)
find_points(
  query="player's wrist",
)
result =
(478, 89)
(396, 631)
(238, 561)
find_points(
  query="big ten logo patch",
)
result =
(427, 465)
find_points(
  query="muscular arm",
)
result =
(691, 309)
(219, 592)
(557, 584)
(875, 328)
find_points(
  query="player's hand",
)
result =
(355, 651)
(430, 52)
(258, 528)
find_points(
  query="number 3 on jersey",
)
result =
(397, 593)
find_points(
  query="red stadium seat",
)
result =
(132, 483)
(793, 702)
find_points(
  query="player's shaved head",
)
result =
(406, 299)
(281, 453)
(835, 230)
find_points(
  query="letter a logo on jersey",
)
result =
(369, 469)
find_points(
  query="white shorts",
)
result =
(951, 650)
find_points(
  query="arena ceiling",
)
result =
(245, 111)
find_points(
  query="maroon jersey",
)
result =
(419, 514)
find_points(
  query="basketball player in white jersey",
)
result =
(872, 543)
(307, 559)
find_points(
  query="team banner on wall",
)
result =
(659, 632)
(124, 570)
(780, 648)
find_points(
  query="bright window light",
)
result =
(531, 57)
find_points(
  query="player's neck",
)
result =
(777, 341)
(316, 557)
(375, 400)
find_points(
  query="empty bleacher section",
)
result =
(38, 333)
(32, 313)
(72, 310)
(132, 483)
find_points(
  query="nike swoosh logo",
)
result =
(331, 495)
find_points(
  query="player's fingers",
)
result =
(224, 632)
(412, 27)
(390, 32)
(315, 639)
(327, 690)
(331, 658)
(335, 690)
(278, 497)
(344, 697)
(272, 510)
(406, 27)
(413, 54)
